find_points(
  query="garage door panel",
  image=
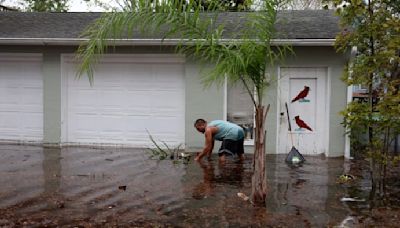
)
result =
(9, 119)
(160, 125)
(113, 98)
(87, 137)
(34, 81)
(136, 114)
(126, 99)
(165, 71)
(112, 123)
(138, 124)
(137, 71)
(163, 85)
(30, 97)
(26, 119)
(10, 83)
(158, 103)
(31, 110)
(110, 111)
(106, 76)
(9, 134)
(142, 98)
(31, 131)
(8, 95)
(140, 88)
(163, 123)
(108, 140)
(85, 121)
(173, 93)
(159, 110)
(21, 97)
(76, 102)
(77, 92)
(166, 87)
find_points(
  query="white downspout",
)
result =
(347, 140)
(347, 149)
(225, 108)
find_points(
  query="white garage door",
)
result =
(21, 97)
(131, 93)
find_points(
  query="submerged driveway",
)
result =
(81, 186)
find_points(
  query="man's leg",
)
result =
(224, 150)
(240, 149)
(231, 147)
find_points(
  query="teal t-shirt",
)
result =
(227, 130)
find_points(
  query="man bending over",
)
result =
(231, 135)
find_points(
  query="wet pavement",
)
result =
(110, 187)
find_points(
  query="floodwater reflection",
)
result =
(77, 186)
(52, 177)
(230, 173)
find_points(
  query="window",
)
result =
(240, 110)
(360, 93)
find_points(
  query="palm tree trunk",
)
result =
(259, 180)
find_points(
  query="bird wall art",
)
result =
(302, 95)
(302, 124)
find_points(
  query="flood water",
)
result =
(107, 187)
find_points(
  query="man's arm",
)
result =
(212, 147)
(209, 144)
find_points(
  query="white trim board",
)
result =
(150, 42)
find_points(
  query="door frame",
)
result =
(327, 106)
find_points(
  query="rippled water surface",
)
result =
(122, 187)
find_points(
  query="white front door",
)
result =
(305, 92)
(21, 97)
(131, 94)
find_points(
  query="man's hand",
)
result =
(209, 144)
(197, 158)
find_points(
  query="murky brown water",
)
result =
(80, 187)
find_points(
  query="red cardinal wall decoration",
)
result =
(301, 123)
(302, 94)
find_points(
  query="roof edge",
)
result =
(149, 42)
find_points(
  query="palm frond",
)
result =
(109, 27)
(200, 34)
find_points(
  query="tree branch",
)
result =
(249, 91)
(266, 112)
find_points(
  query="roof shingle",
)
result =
(301, 24)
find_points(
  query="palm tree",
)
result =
(246, 58)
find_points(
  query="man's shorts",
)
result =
(231, 147)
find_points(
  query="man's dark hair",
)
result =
(199, 121)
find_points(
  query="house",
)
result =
(143, 85)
